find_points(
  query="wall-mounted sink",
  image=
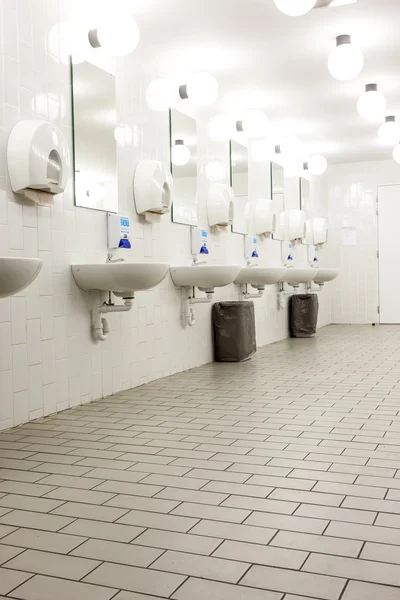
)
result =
(324, 275)
(122, 278)
(259, 277)
(205, 277)
(294, 276)
(17, 273)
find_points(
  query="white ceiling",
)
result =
(264, 59)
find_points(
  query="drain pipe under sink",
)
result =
(101, 328)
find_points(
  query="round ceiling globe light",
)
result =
(293, 147)
(262, 151)
(202, 89)
(220, 128)
(180, 154)
(371, 104)
(317, 164)
(396, 154)
(295, 8)
(346, 60)
(389, 132)
(118, 36)
(159, 94)
(292, 167)
(254, 124)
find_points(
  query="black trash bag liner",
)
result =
(303, 315)
(234, 331)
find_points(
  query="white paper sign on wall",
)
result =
(349, 236)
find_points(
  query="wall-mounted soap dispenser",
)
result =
(199, 242)
(220, 208)
(119, 231)
(152, 188)
(38, 160)
(250, 248)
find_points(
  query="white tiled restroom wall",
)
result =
(352, 192)
(48, 361)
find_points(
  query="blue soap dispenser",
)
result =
(199, 242)
(119, 231)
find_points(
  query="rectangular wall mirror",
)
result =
(278, 196)
(183, 142)
(239, 165)
(94, 109)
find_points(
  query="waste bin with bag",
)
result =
(234, 331)
(303, 315)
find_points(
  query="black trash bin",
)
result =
(234, 331)
(303, 315)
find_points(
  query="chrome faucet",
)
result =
(196, 263)
(110, 259)
(250, 265)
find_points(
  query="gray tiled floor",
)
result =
(274, 479)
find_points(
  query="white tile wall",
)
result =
(48, 360)
(352, 191)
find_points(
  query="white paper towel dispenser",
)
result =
(320, 230)
(38, 160)
(293, 224)
(260, 217)
(220, 205)
(152, 188)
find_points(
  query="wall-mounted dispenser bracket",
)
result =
(250, 295)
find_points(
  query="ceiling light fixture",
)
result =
(293, 147)
(346, 60)
(254, 124)
(116, 36)
(335, 3)
(262, 150)
(317, 164)
(201, 88)
(292, 167)
(159, 94)
(221, 128)
(295, 8)
(180, 154)
(396, 154)
(389, 132)
(371, 104)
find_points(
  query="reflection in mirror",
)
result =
(239, 161)
(277, 195)
(305, 198)
(183, 142)
(305, 204)
(94, 133)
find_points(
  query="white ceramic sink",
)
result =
(259, 277)
(324, 275)
(294, 276)
(122, 278)
(205, 277)
(17, 273)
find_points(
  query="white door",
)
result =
(389, 253)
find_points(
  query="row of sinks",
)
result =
(124, 278)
